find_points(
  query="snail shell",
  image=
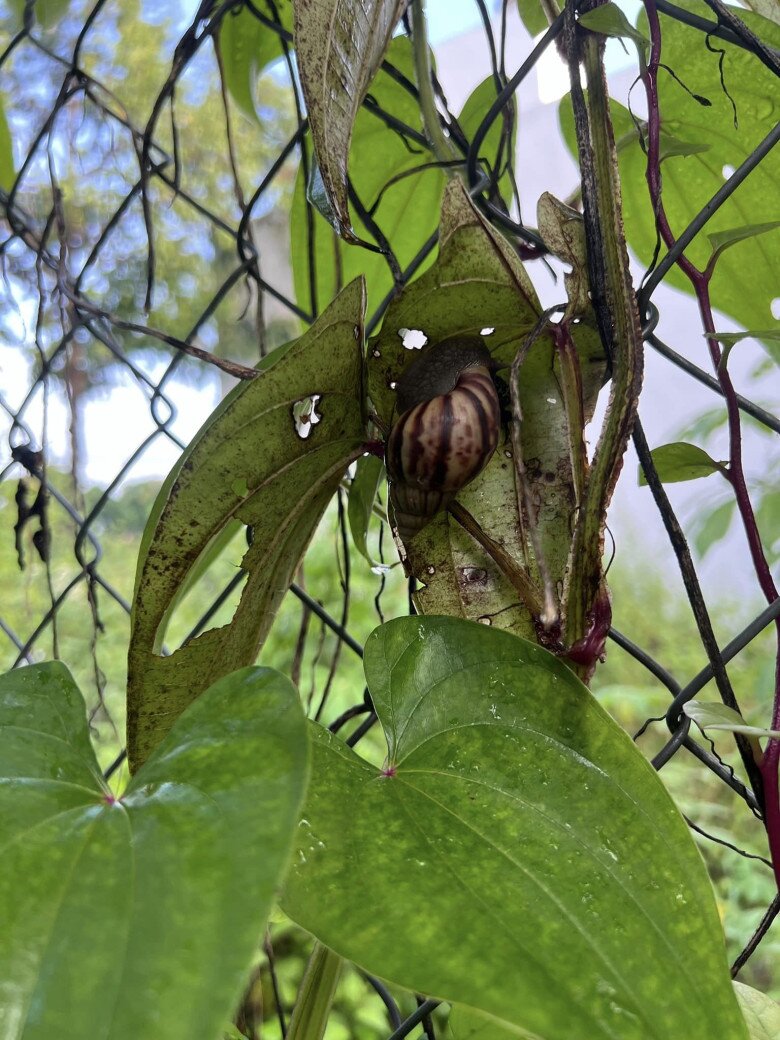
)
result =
(447, 430)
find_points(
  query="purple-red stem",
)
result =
(700, 281)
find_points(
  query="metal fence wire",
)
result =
(61, 266)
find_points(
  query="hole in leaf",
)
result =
(392, 384)
(305, 415)
(774, 307)
(487, 331)
(413, 339)
(727, 171)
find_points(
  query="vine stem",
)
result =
(442, 146)
(315, 995)
(700, 282)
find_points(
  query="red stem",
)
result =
(700, 281)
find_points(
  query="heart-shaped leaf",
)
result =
(521, 855)
(681, 461)
(138, 916)
(271, 456)
(339, 45)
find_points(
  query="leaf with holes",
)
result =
(681, 461)
(369, 474)
(392, 178)
(340, 45)
(744, 283)
(115, 912)
(523, 858)
(478, 286)
(762, 1014)
(246, 47)
(247, 463)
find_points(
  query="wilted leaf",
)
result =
(476, 284)
(392, 177)
(115, 911)
(563, 231)
(247, 463)
(681, 461)
(766, 8)
(339, 44)
(523, 858)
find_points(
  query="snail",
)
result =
(447, 429)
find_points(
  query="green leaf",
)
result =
(714, 715)
(532, 16)
(138, 917)
(466, 1024)
(246, 47)
(470, 118)
(730, 338)
(7, 170)
(47, 13)
(670, 145)
(768, 518)
(340, 45)
(523, 858)
(369, 474)
(247, 463)
(387, 172)
(681, 461)
(609, 20)
(762, 1014)
(712, 526)
(721, 240)
(744, 282)
(477, 283)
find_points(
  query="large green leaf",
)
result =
(521, 856)
(745, 279)
(476, 284)
(138, 917)
(247, 463)
(7, 171)
(407, 210)
(339, 45)
(246, 47)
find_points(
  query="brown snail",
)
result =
(447, 429)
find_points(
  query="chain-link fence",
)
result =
(126, 262)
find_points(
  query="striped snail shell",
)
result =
(446, 432)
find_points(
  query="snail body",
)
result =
(446, 432)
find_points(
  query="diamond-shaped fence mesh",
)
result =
(146, 266)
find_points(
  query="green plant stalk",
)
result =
(615, 304)
(315, 995)
(440, 143)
